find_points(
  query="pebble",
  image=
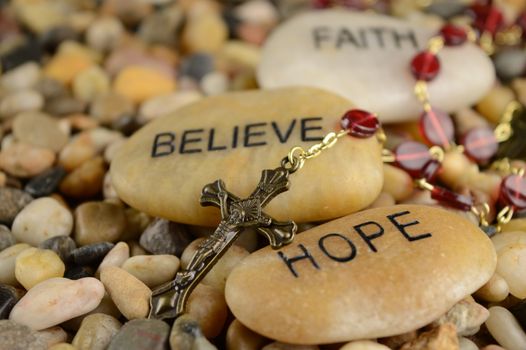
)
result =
(493, 104)
(91, 254)
(214, 83)
(239, 337)
(152, 270)
(160, 106)
(106, 307)
(20, 101)
(85, 181)
(23, 77)
(505, 329)
(109, 107)
(36, 265)
(466, 315)
(45, 183)
(76, 272)
(204, 33)
(338, 50)
(279, 109)
(510, 247)
(91, 83)
(65, 66)
(219, 273)
(50, 88)
(19, 337)
(137, 222)
(208, 307)
(495, 290)
(40, 130)
(466, 344)
(62, 346)
(142, 334)
(41, 219)
(116, 256)
(510, 63)
(6, 238)
(165, 237)
(197, 66)
(364, 345)
(57, 300)
(397, 183)
(79, 150)
(161, 27)
(7, 262)
(349, 268)
(13, 201)
(64, 106)
(186, 335)
(104, 33)
(131, 296)
(285, 346)
(23, 160)
(62, 245)
(53, 335)
(442, 337)
(9, 296)
(97, 222)
(139, 83)
(96, 332)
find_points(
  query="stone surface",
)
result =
(208, 307)
(505, 329)
(152, 270)
(107, 108)
(411, 255)
(495, 290)
(165, 237)
(141, 83)
(267, 124)
(9, 296)
(86, 180)
(40, 130)
(19, 337)
(23, 77)
(23, 160)
(91, 254)
(57, 300)
(131, 296)
(239, 337)
(34, 265)
(364, 345)
(6, 238)
(141, 334)
(97, 222)
(20, 101)
(8, 261)
(45, 183)
(466, 315)
(116, 256)
(285, 346)
(366, 58)
(41, 219)
(96, 332)
(441, 337)
(13, 201)
(53, 335)
(91, 83)
(62, 245)
(186, 335)
(511, 250)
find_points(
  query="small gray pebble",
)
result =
(91, 254)
(197, 66)
(510, 63)
(45, 183)
(15, 336)
(165, 237)
(13, 200)
(142, 334)
(6, 238)
(62, 245)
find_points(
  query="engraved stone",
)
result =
(377, 273)
(162, 169)
(366, 58)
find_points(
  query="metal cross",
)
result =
(169, 300)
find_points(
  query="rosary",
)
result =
(421, 161)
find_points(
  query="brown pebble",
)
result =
(85, 181)
(98, 222)
(79, 150)
(23, 160)
(186, 335)
(109, 107)
(440, 338)
(239, 337)
(40, 130)
(208, 307)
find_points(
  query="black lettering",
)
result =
(234, 136)
(409, 36)
(283, 138)
(290, 261)
(164, 141)
(349, 257)
(346, 36)
(401, 227)
(211, 146)
(186, 141)
(363, 38)
(305, 128)
(379, 32)
(320, 34)
(249, 133)
(368, 238)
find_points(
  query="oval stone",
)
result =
(162, 169)
(366, 58)
(376, 273)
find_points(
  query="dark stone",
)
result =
(62, 245)
(51, 39)
(28, 51)
(165, 237)
(519, 311)
(490, 230)
(75, 272)
(232, 23)
(9, 296)
(11, 202)
(515, 147)
(187, 334)
(141, 334)
(15, 336)
(64, 105)
(50, 88)
(126, 124)
(91, 254)
(45, 183)
(197, 66)
(510, 63)
(6, 238)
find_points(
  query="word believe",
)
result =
(362, 38)
(249, 135)
(367, 231)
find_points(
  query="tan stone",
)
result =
(440, 338)
(53, 335)
(347, 185)
(79, 150)
(152, 270)
(36, 265)
(140, 83)
(65, 66)
(62, 346)
(90, 83)
(466, 315)
(205, 33)
(418, 272)
(284, 346)
(86, 180)
(131, 296)
(493, 104)
(116, 256)
(40, 130)
(97, 222)
(208, 307)
(511, 252)
(503, 326)
(495, 290)
(364, 345)
(397, 183)
(239, 337)
(23, 160)
(96, 332)
(8, 260)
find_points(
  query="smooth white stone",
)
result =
(505, 329)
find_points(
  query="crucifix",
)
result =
(169, 300)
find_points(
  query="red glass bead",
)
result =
(360, 123)
(480, 144)
(437, 127)
(513, 192)
(453, 35)
(451, 199)
(430, 170)
(411, 156)
(487, 18)
(425, 66)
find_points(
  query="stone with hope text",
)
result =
(372, 274)
(162, 169)
(366, 58)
